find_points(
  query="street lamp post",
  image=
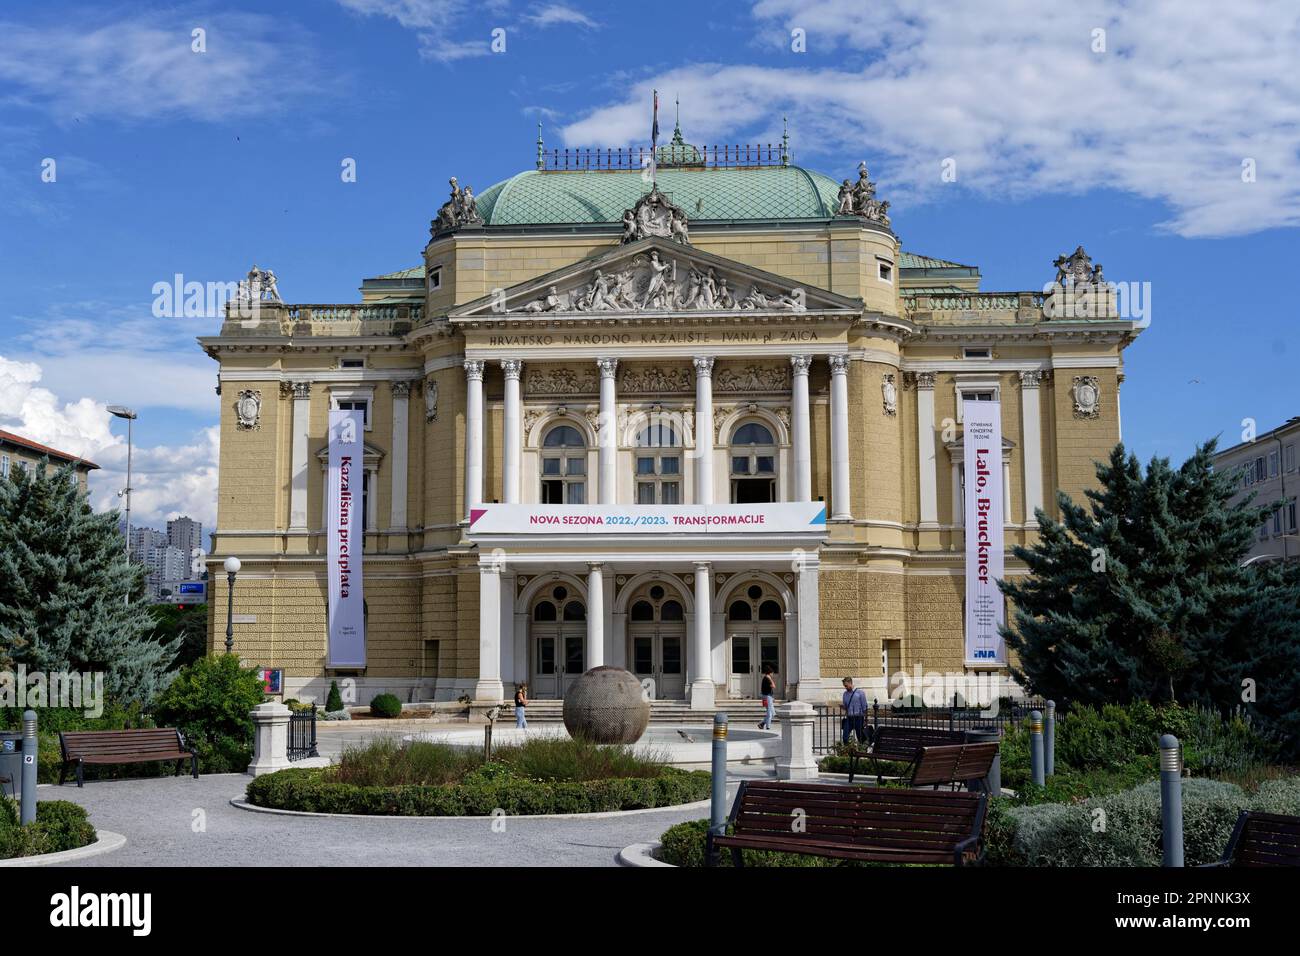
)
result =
(232, 568)
(121, 411)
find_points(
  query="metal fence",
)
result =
(828, 727)
(302, 734)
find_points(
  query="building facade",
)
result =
(19, 453)
(1266, 468)
(729, 333)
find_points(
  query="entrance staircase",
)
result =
(740, 713)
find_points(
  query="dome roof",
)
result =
(553, 197)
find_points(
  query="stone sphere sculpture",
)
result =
(606, 705)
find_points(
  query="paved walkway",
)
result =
(161, 817)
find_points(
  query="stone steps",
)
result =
(741, 712)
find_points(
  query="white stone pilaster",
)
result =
(703, 689)
(1031, 442)
(842, 510)
(608, 434)
(489, 686)
(927, 467)
(400, 453)
(473, 434)
(810, 658)
(595, 616)
(512, 442)
(703, 429)
(800, 425)
(298, 466)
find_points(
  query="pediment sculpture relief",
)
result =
(655, 215)
(654, 284)
(753, 378)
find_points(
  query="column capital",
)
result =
(801, 364)
(490, 565)
(401, 389)
(513, 368)
(300, 389)
(474, 370)
(925, 380)
(596, 566)
(607, 366)
(703, 565)
(703, 366)
(839, 364)
(1030, 379)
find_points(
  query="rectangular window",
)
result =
(1259, 469)
(1263, 531)
(739, 465)
(766, 464)
(352, 363)
(577, 493)
(1288, 458)
(971, 353)
(435, 279)
(4, 466)
(669, 466)
(645, 492)
(1277, 521)
(671, 493)
(577, 466)
(885, 271)
(550, 466)
(977, 396)
(1290, 515)
(1248, 474)
(356, 405)
(645, 466)
(1272, 464)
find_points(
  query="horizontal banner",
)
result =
(783, 518)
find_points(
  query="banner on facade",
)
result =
(985, 609)
(347, 623)
(779, 518)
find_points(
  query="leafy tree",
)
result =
(209, 703)
(69, 598)
(1143, 596)
(188, 624)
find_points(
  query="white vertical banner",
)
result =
(985, 609)
(347, 624)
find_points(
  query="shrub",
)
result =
(59, 825)
(560, 758)
(385, 705)
(387, 763)
(1278, 796)
(684, 845)
(1222, 747)
(335, 715)
(209, 703)
(334, 701)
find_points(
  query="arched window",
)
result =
(643, 611)
(769, 611)
(545, 611)
(740, 611)
(564, 467)
(658, 464)
(753, 464)
(671, 611)
(575, 611)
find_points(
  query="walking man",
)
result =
(855, 712)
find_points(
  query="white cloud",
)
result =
(1186, 90)
(142, 67)
(433, 22)
(167, 480)
(559, 14)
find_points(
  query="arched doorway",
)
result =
(656, 628)
(558, 635)
(755, 636)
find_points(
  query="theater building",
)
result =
(688, 420)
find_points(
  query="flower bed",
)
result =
(537, 777)
(59, 825)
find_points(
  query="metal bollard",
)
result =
(1171, 800)
(1049, 740)
(27, 807)
(1036, 748)
(718, 804)
(993, 782)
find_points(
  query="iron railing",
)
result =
(302, 734)
(828, 732)
(638, 157)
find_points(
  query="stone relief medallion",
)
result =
(1087, 396)
(889, 394)
(560, 380)
(248, 410)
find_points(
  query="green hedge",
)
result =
(59, 825)
(306, 790)
(684, 845)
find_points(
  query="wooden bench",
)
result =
(854, 823)
(954, 764)
(1263, 839)
(901, 745)
(83, 747)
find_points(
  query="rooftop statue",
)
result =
(260, 285)
(459, 210)
(655, 215)
(859, 199)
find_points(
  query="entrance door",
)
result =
(755, 633)
(558, 643)
(657, 639)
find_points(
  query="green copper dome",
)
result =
(555, 197)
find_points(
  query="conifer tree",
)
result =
(1142, 596)
(69, 598)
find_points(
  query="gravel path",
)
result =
(161, 819)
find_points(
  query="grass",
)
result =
(387, 763)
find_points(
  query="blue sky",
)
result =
(169, 160)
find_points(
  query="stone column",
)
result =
(796, 760)
(840, 502)
(270, 738)
(799, 417)
(595, 616)
(608, 434)
(810, 658)
(1031, 442)
(702, 686)
(489, 688)
(703, 429)
(298, 469)
(401, 433)
(928, 476)
(473, 434)
(512, 442)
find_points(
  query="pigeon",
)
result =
(685, 736)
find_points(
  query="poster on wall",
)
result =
(347, 623)
(982, 458)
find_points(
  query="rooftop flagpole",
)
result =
(654, 143)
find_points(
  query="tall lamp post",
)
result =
(232, 568)
(121, 411)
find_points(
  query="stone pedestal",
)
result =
(795, 760)
(270, 739)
